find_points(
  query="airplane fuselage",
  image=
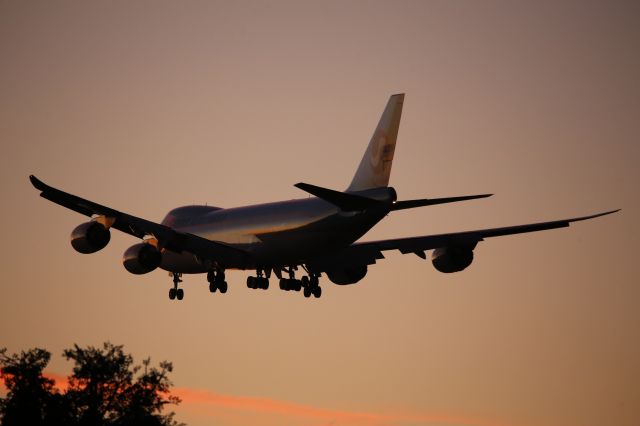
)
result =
(274, 234)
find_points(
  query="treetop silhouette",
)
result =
(105, 388)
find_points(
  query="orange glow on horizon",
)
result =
(266, 405)
(213, 400)
(60, 381)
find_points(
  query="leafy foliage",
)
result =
(104, 389)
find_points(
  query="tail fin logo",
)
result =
(380, 139)
(382, 150)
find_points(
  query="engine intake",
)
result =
(347, 275)
(141, 258)
(451, 259)
(90, 237)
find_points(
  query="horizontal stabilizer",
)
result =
(410, 204)
(346, 202)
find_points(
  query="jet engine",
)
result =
(350, 274)
(90, 237)
(141, 258)
(451, 259)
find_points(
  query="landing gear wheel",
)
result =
(304, 281)
(213, 287)
(259, 282)
(223, 287)
(172, 293)
(180, 293)
(307, 292)
(317, 292)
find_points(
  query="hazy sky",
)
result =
(148, 105)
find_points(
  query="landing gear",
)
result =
(309, 284)
(290, 284)
(313, 287)
(316, 291)
(217, 281)
(175, 292)
(258, 283)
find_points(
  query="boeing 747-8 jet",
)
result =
(313, 236)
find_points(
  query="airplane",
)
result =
(317, 234)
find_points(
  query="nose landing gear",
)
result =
(175, 292)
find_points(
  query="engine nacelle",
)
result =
(451, 259)
(141, 258)
(90, 237)
(350, 274)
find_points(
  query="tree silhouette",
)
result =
(104, 389)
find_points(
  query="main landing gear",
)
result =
(310, 284)
(312, 287)
(175, 292)
(259, 282)
(216, 281)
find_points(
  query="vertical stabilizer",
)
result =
(375, 166)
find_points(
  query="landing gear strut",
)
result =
(216, 281)
(175, 292)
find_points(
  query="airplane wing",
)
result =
(366, 253)
(138, 227)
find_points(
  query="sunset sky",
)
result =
(148, 105)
